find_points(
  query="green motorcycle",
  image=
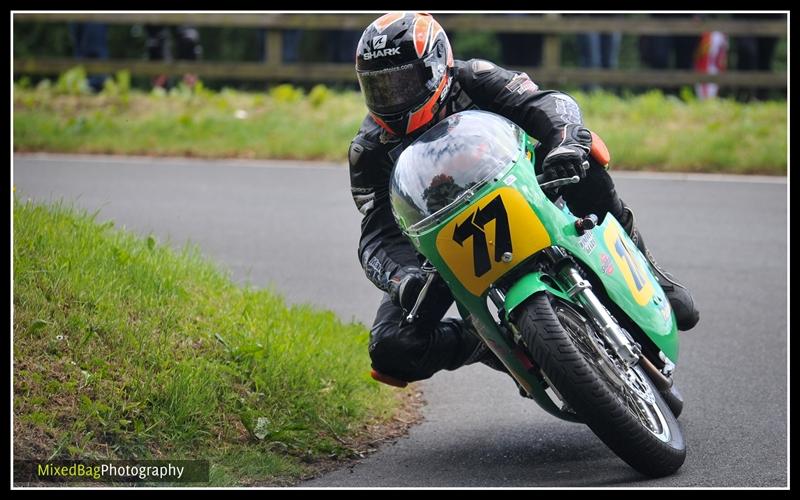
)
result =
(568, 305)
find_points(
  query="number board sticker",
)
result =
(605, 261)
(587, 242)
(473, 244)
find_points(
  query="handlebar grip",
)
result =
(558, 182)
(412, 315)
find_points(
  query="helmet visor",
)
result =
(399, 89)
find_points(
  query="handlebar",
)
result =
(556, 182)
(422, 293)
(552, 184)
(430, 270)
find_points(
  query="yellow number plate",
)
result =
(636, 277)
(501, 223)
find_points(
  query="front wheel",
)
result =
(619, 404)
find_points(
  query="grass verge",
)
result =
(649, 131)
(127, 349)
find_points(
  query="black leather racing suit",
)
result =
(418, 350)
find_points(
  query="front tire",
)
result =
(620, 406)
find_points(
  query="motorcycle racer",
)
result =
(410, 81)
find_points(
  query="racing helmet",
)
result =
(403, 65)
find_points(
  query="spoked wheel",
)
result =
(619, 403)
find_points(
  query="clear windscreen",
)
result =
(452, 158)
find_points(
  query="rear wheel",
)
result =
(619, 404)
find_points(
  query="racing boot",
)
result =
(686, 314)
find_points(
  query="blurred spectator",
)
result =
(521, 49)
(290, 45)
(90, 41)
(712, 58)
(598, 50)
(160, 41)
(755, 53)
(655, 51)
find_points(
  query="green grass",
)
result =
(125, 348)
(656, 132)
(649, 131)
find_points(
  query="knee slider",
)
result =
(395, 355)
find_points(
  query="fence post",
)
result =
(551, 60)
(274, 49)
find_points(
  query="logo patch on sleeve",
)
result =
(521, 83)
(567, 108)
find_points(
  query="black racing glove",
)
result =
(567, 159)
(404, 287)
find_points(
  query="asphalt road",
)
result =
(294, 227)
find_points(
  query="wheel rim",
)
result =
(629, 384)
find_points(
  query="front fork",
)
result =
(627, 350)
(580, 290)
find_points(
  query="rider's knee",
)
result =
(395, 354)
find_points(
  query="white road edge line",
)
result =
(699, 177)
(228, 162)
(238, 162)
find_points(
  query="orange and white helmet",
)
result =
(403, 64)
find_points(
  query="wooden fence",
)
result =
(552, 26)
